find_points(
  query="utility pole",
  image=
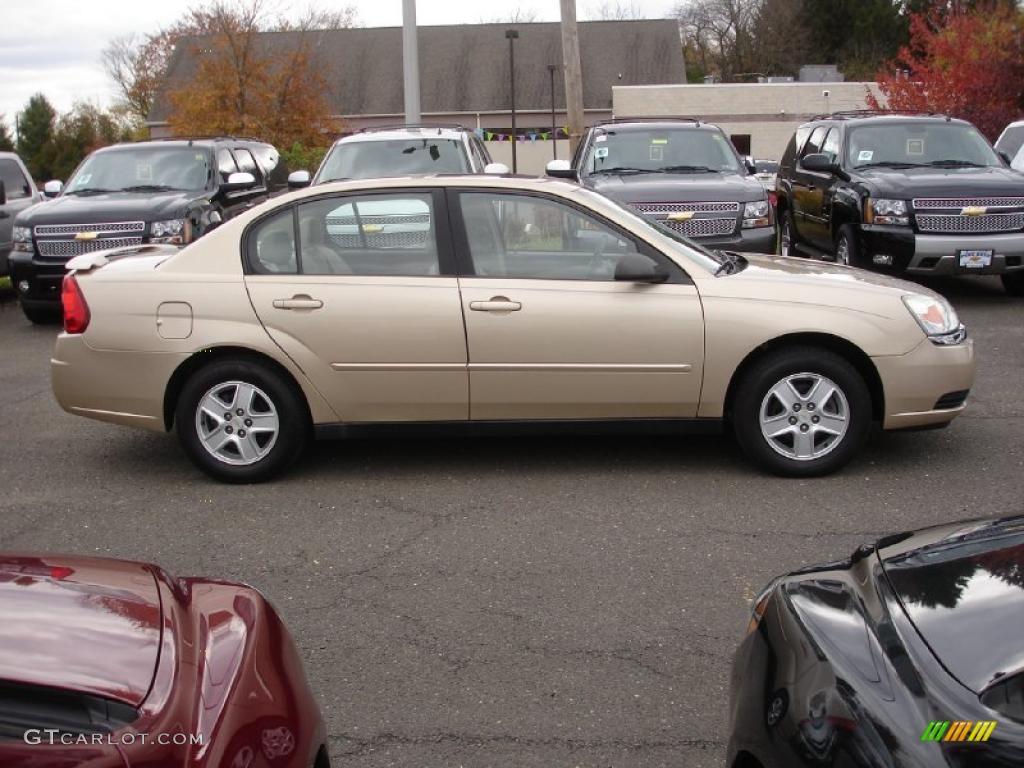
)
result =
(573, 73)
(554, 128)
(410, 62)
(512, 36)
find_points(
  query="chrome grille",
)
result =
(933, 203)
(351, 221)
(990, 222)
(702, 227)
(69, 248)
(696, 207)
(113, 228)
(418, 239)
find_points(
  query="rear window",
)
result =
(394, 157)
(964, 589)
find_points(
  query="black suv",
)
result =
(166, 191)
(682, 173)
(903, 193)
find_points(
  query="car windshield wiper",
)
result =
(891, 164)
(621, 169)
(89, 191)
(731, 263)
(150, 188)
(688, 169)
(955, 164)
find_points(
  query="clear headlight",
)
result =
(757, 214)
(22, 238)
(170, 231)
(884, 211)
(936, 317)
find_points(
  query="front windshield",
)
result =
(393, 157)
(142, 169)
(918, 143)
(671, 149)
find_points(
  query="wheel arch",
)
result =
(836, 344)
(210, 355)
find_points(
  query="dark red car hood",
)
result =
(82, 624)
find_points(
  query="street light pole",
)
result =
(410, 62)
(512, 36)
(554, 129)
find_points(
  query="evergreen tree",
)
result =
(6, 142)
(35, 133)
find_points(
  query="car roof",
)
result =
(449, 133)
(493, 181)
(185, 141)
(859, 118)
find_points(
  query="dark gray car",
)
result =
(17, 192)
(684, 174)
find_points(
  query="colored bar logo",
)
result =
(959, 730)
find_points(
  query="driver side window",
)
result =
(519, 236)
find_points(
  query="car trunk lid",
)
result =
(79, 624)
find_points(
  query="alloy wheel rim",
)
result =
(843, 252)
(804, 416)
(237, 423)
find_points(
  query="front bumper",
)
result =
(921, 254)
(759, 240)
(916, 385)
(43, 278)
(84, 384)
(5, 266)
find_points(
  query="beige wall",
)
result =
(531, 156)
(768, 112)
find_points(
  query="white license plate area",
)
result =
(975, 259)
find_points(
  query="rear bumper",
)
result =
(917, 386)
(921, 254)
(83, 385)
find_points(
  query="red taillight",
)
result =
(76, 311)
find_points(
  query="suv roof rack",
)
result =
(399, 126)
(665, 119)
(201, 138)
(848, 114)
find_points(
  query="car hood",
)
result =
(676, 187)
(963, 588)
(81, 624)
(116, 206)
(908, 183)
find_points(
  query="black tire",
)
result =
(786, 230)
(42, 315)
(1013, 283)
(846, 238)
(753, 392)
(273, 390)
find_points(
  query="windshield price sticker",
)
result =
(601, 153)
(915, 146)
(865, 156)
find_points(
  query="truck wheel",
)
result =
(42, 316)
(1014, 283)
(847, 249)
(240, 421)
(801, 412)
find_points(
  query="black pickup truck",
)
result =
(166, 191)
(908, 194)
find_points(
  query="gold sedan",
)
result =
(490, 303)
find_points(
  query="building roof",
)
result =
(465, 68)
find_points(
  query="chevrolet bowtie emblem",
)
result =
(86, 235)
(681, 216)
(974, 210)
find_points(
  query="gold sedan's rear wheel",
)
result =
(241, 421)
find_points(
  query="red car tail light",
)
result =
(76, 311)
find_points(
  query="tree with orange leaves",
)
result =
(963, 63)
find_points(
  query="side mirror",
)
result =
(214, 220)
(299, 179)
(496, 169)
(560, 169)
(819, 163)
(53, 188)
(3, 193)
(238, 180)
(748, 163)
(637, 268)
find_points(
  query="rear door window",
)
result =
(15, 183)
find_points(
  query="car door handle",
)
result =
(298, 302)
(496, 304)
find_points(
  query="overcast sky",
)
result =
(54, 46)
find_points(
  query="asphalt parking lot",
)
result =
(526, 602)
